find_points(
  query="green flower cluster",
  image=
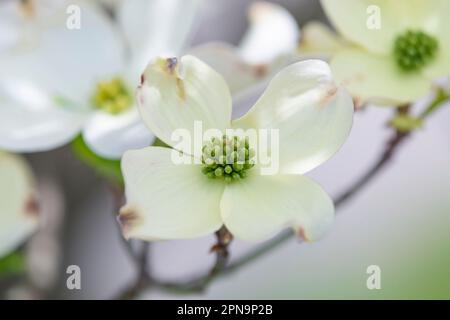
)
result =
(227, 158)
(112, 96)
(414, 49)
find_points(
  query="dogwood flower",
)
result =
(18, 209)
(390, 61)
(167, 200)
(69, 80)
(81, 79)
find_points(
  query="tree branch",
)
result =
(201, 282)
(143, 279)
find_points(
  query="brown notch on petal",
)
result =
(32, 206)
(261, 70)
(142, 79)
(27, 8)
(171, 64)
(171, 68)
(330, 93)
(127, 219)
(358, 104)
(300, 232)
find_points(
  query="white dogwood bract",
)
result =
(393, 59)
(168, 201)
(18, 208)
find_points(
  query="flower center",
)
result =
(227, 158)
(414, 49)
(112, 96)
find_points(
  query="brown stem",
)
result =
(143, 280)
(201, 282)
(385, 158)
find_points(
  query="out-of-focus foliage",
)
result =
(12, 264)
(109, 169)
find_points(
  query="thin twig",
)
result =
(201, 282)
(143, 279)
(197, 284)
(387, 155)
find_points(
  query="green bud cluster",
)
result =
(227, 158)
(112, 96)
(414, 49)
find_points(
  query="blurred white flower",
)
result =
(168, 201)
(22, 21)
(269, 44)
(393, 64)
(18, 204)
(83, 79)
(319, 41)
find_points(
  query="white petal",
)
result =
(176, 94)
(350, 18)
(225, 59)
(22, 21)
(243, 101)
(273, 31)
(260, 206)
(110, 136)
(440, 67)
(18, 210)
(68, 62)
(377, 79)
(30, 121)
(155, 28)
(312, 115)
(239, 75)
(319, 40)
(167, 201)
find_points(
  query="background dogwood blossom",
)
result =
(364, 56)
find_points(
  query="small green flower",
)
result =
(414, 49)
(228, 157)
